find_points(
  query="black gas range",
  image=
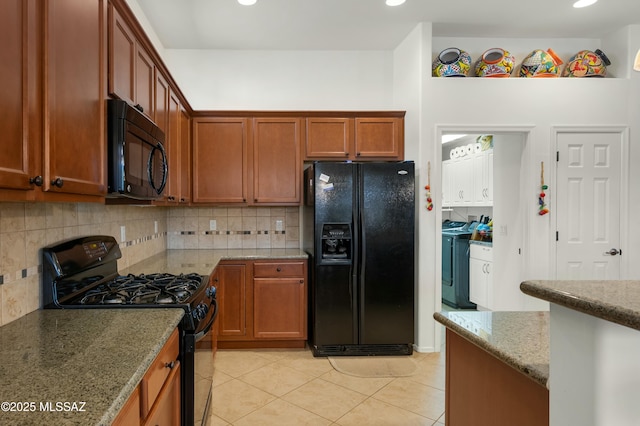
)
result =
(82, 273)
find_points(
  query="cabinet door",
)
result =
(131, 69)
(74, 111)
(277, 162)
(447, 184)
(489, 176)
(328, 138)
(161, 99)
(166, 409)
(20, 76)
(478, 291)
(144, 81)
(220, 163)
(279, 308)
(172, 147)
(463, 180)
(478, 183)
(122, 57)
(130, 413)
(232, 302)
(379, 138)
(483, 178)
(184, 168)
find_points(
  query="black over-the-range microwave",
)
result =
(138, 165)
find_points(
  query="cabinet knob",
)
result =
(37, 181)
(301, 281)
(346, 154)
(358, 154)
(170, 365)
(278, 269)
(57, 182)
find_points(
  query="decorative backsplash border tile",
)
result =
(229, 232)
(143, 239)
(18, 275)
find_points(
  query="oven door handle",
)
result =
(201, 334)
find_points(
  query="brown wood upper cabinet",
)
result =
(131, 69)
(53, 113)
(277, 162)
(247, 161)
(220, 160)
(176, 191)
(360, 138)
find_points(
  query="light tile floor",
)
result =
(290, 387)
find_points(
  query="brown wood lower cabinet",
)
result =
(156, 400)
(481, 390)
(263, 303)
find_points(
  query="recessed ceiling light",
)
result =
(394, 2)
(247, 2)
(584, 3)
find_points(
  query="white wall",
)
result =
(409, 67)
(283, 80)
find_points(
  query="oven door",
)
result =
(199, 348)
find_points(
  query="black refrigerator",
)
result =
(359, 231)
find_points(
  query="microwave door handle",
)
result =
(164, 166)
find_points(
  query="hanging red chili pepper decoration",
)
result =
(428, 187)
(542, 206)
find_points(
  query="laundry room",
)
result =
(481, 177)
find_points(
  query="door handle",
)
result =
(613, 252)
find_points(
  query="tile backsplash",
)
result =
(26, 227)
(233, 228)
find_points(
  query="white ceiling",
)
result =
(370, 24)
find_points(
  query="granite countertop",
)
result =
(92, 357)
(615, 301)
(519, 339)
(204, 261)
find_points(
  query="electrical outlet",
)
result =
(123, 234)
(213, 225)
(155, 226)
(279, 225)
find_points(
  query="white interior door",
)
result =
(588, 205)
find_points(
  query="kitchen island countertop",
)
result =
(203, 261)
(615, 301)
(94, 358)
(518, 339)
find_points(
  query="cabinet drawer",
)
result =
(158, 372)
(480, 252)
(278, 269)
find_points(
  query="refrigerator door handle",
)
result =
(363, 246)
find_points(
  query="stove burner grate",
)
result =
(144, 289)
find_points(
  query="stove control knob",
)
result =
(211, 292)
(200, 312)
